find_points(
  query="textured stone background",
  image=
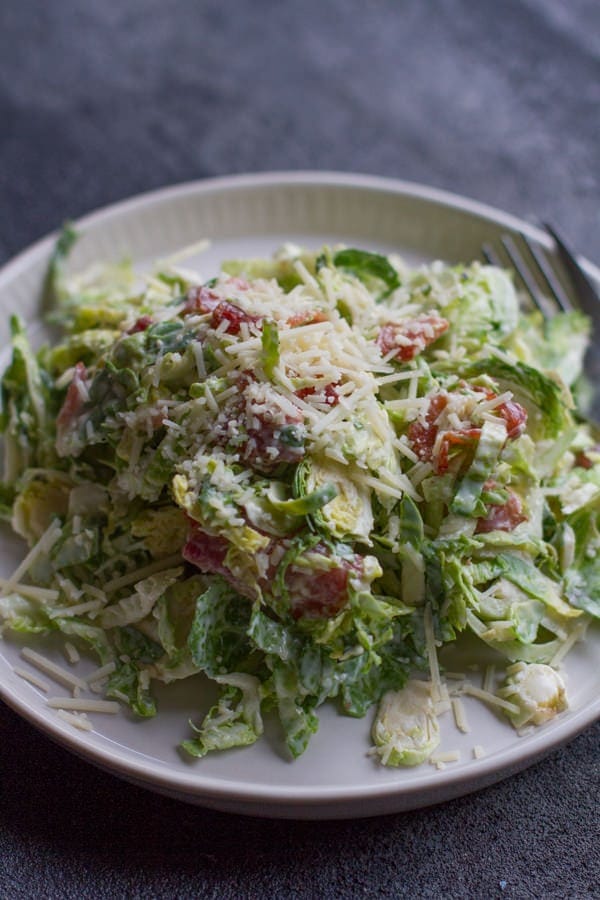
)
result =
(100, 100)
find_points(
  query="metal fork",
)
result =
(552, 298)
(547, 291)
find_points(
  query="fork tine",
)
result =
(586, 293)
(548, 273)
(524, 274)
(491, 257)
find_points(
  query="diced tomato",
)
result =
(583, 461)
(200, 300)
(269, 445)
(309, 317)
(331, 395)
(418, 332)
(422, 436)
(321, 594)
(437, 405)
(502, 518)
(269, 441)
(515, 417)
(240, 283)
(207, 551)
(73, 402)
(303, 393)
(329, 391)
(140, 324)
(314, 593)
(317, 595)
(233, 315)
(454, 439)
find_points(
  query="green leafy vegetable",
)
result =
(548, 402)
(270, 348)
(372, 268)
(275, 502)
(53, 288)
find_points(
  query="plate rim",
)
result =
(279, 178)
(495, 767)
(193, 786)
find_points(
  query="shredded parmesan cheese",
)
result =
(436, 681)
(184, 253)
(98, 674)
(44, 545)
(72, 653)
(30, 590)
(447, 756)
(395, 377)
(460, 715)
(489, 698)
(152, 569)
(80, 721)
(52, 669)
(32, 678)
(315, 388)
(576, 635)
(489, 679)
(83, 705)
(380, 487)
(63, 612)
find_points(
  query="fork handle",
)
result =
(587, 294)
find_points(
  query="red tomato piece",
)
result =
(502, 518)
(200, 300)
(317, 595)
(269, 444)
(412, 336)
(331, 395)
(240, 283)
(321, 594)
(269, 441)
(422, 436)
(454, 439)
(515, 417)
(309, 317)
(233, 315)
(73, 402)
(207, 551)
(140, 324)
(583, 461)
(314, 593)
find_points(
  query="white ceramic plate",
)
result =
(253, 215)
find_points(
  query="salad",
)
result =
(302, 478)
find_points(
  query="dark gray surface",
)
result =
(100, 100)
